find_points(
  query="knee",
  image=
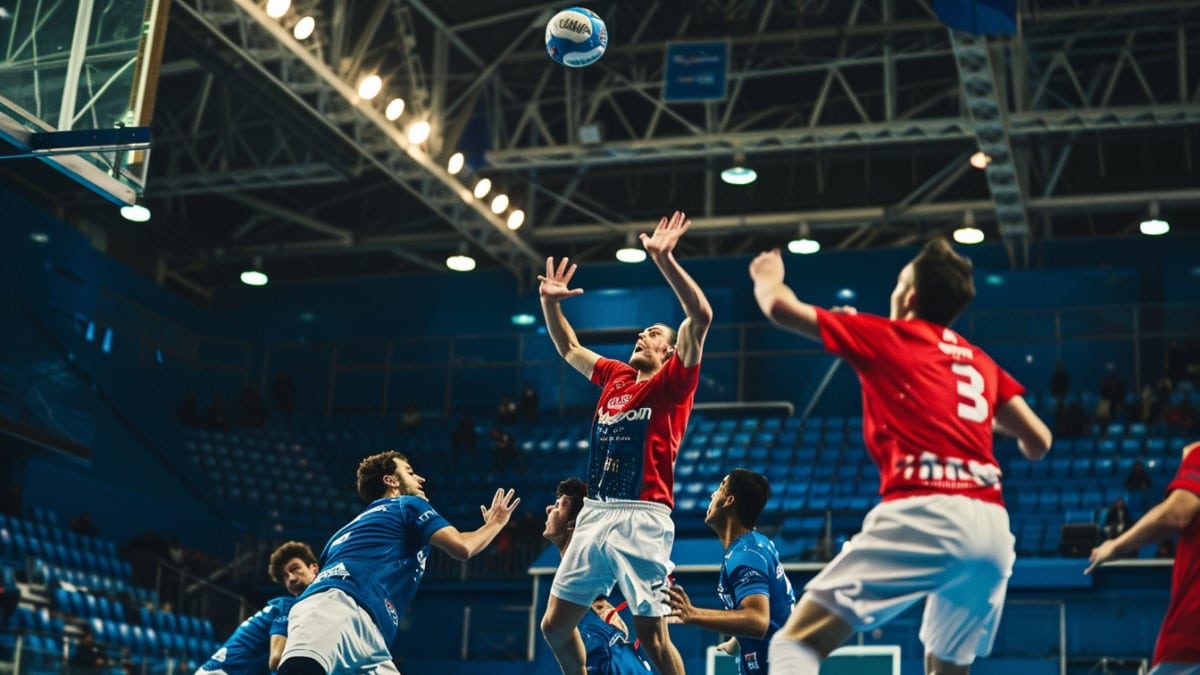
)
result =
(552, 632)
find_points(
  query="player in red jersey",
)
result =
(931, 401)
(624, 533)
(1178, 648)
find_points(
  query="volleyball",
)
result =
(576, 37)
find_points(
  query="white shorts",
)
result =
(201, 671)
(955, 552)
(333, 630)
(622, 542)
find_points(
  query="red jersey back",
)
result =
(928, 398)
(1179, 639)
(637, 430)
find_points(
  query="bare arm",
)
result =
(778, 302)
(751, 619)
(689, 346)
(278, 642)
(1170, 516)
(1016, 418)
(553, 290)
(465, 545)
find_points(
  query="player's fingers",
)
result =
(550, 266)
(570, 273)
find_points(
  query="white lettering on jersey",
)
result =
(956, 352)
(425, 516)
(949, 472)
(619, 401)
(339, 570)
(639, 415)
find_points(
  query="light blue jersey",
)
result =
(248, 650)
(379, 558)
(752, 567)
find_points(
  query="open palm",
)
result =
(555, 282)
(666, 235)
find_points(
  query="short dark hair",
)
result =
(576, 490)
(944, 282)
(750, 492)
(283, 554)
(672, 334)
(371, 472)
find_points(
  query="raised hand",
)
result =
(556, 279)
(666, 235)
(502, 508)
(767, 268)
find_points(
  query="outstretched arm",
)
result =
(689, 344)
(777, 301)
(751, 619)
(553, 290)
(278, 642)
(1016, 418)
(1170, 516)
(465, 545)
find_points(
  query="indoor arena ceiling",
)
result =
(859, 117)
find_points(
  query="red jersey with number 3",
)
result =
(928, 397)
(1179, 639)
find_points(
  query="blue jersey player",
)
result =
(754, 591)
(256, 645)
(371, 568)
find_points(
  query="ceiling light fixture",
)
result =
(499, 203)
(304, 28)
(739, 173)
(369, 87)
(631, 253)
(1154, 226)
(395, 108)
(980, 160)
(802, 245)
(516, 219)
(456, 163)
(483, 187)
(135, 213)
(461, 261)
(277, 8)
(968, 233)
(419, 132)
(255, 276)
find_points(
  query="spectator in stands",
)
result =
(283, 394)
(755, 592)
(941, 533)
(1072, 422)
(371, 567)
(506, 410)
(464, 437)
(604, 634)
(638, 425)
(1146, 404)
(82, 524)
(1138, 478)
(504, 450)
(1162, 398)
(1117, 520)
(10, 596)
(256, 645)
(1112, 393)
(1178, 650)
(410, 417)
(217, 417)
(528, 407)
(1060, 384)
(189, 410)
(87, 655)
(251, 410)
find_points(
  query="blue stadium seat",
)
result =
(1102, 467)
(1131, 446)
(1156, 446)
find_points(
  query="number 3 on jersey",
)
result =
(970, 387)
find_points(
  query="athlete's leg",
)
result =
(560, 628)
(652, 631)
(936, 666)
(816, 627)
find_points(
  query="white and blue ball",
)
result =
(576, 37)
